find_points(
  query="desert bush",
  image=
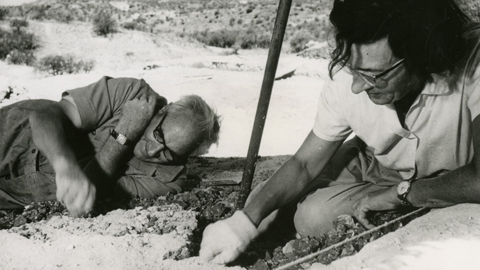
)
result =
(299, 40)
(19, 46)
(60, 64)
(3, 13)
(17, 24)
(18, 57)
(316, 28)
(104, 24)
(133, 25)
(223, 38)
(251, 39)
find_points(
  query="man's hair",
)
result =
(204, 119)
(427, 33)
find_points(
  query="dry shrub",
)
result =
(18, 24)
(60, 64)
(3, 13)
(17, 57)
(17, 46)
(251, 39)
(299, 40)
(104, 24)
(223, 38)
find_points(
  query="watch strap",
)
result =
(120, 138)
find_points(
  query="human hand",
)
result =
(225, 240)
(136, 116)
(380, 200)
(75, 190)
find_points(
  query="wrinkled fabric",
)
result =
(26, 175)
(438, 133)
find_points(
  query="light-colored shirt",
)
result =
(438, 133)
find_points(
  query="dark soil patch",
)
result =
(212, 191)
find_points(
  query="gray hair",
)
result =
(205, 121)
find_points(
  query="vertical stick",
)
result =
(264, 100)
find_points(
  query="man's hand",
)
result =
(136, 116)
(75, 191)
(225, 240)
(381, 200)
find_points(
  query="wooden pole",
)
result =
(264, 100)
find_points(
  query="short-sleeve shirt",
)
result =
(438, 133)
(99, 105)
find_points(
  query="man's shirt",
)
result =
(438, 133)
(100, 105)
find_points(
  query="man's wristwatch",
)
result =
(403, 189)
(120, 138)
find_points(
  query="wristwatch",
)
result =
(403, 189)
(120, 138)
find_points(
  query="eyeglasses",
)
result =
(170, 156)
(374, 80)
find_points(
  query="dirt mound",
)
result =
(134, 239)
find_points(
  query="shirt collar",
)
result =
(439, 86)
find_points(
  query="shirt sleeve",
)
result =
(330, 122)
(170, 179)
(472, 81)
(98, 102)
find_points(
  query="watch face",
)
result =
(402, 187)
(121, 139)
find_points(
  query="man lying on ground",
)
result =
(116, 137)
(405, 80)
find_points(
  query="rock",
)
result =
(301, 247)
(260, 265)
(345, 220)
(348, 250)
(19, 221)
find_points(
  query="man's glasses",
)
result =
(374, 80)
(170, 156)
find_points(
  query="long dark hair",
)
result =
(427, 33)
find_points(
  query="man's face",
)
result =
(166, 140)
(374, 58)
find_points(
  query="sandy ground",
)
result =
(444, 239)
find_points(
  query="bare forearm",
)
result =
(107, 162)
(48, 125)
(459, 186)
(282, 189)
(290, 182)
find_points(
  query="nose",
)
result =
(359, 85)
(154, 149)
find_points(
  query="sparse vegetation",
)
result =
(252, 21)
(223, 38)
(60, 64)
(3, 14)
(104, 24)
(17, 45)
(299, 41)
(18, 24)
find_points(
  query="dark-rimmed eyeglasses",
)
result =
(375, 80)
(170, 155)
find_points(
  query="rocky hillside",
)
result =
(186, 18)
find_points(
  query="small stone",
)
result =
(260, 265)
(345, 220)
(19, 221)
(348, 250)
